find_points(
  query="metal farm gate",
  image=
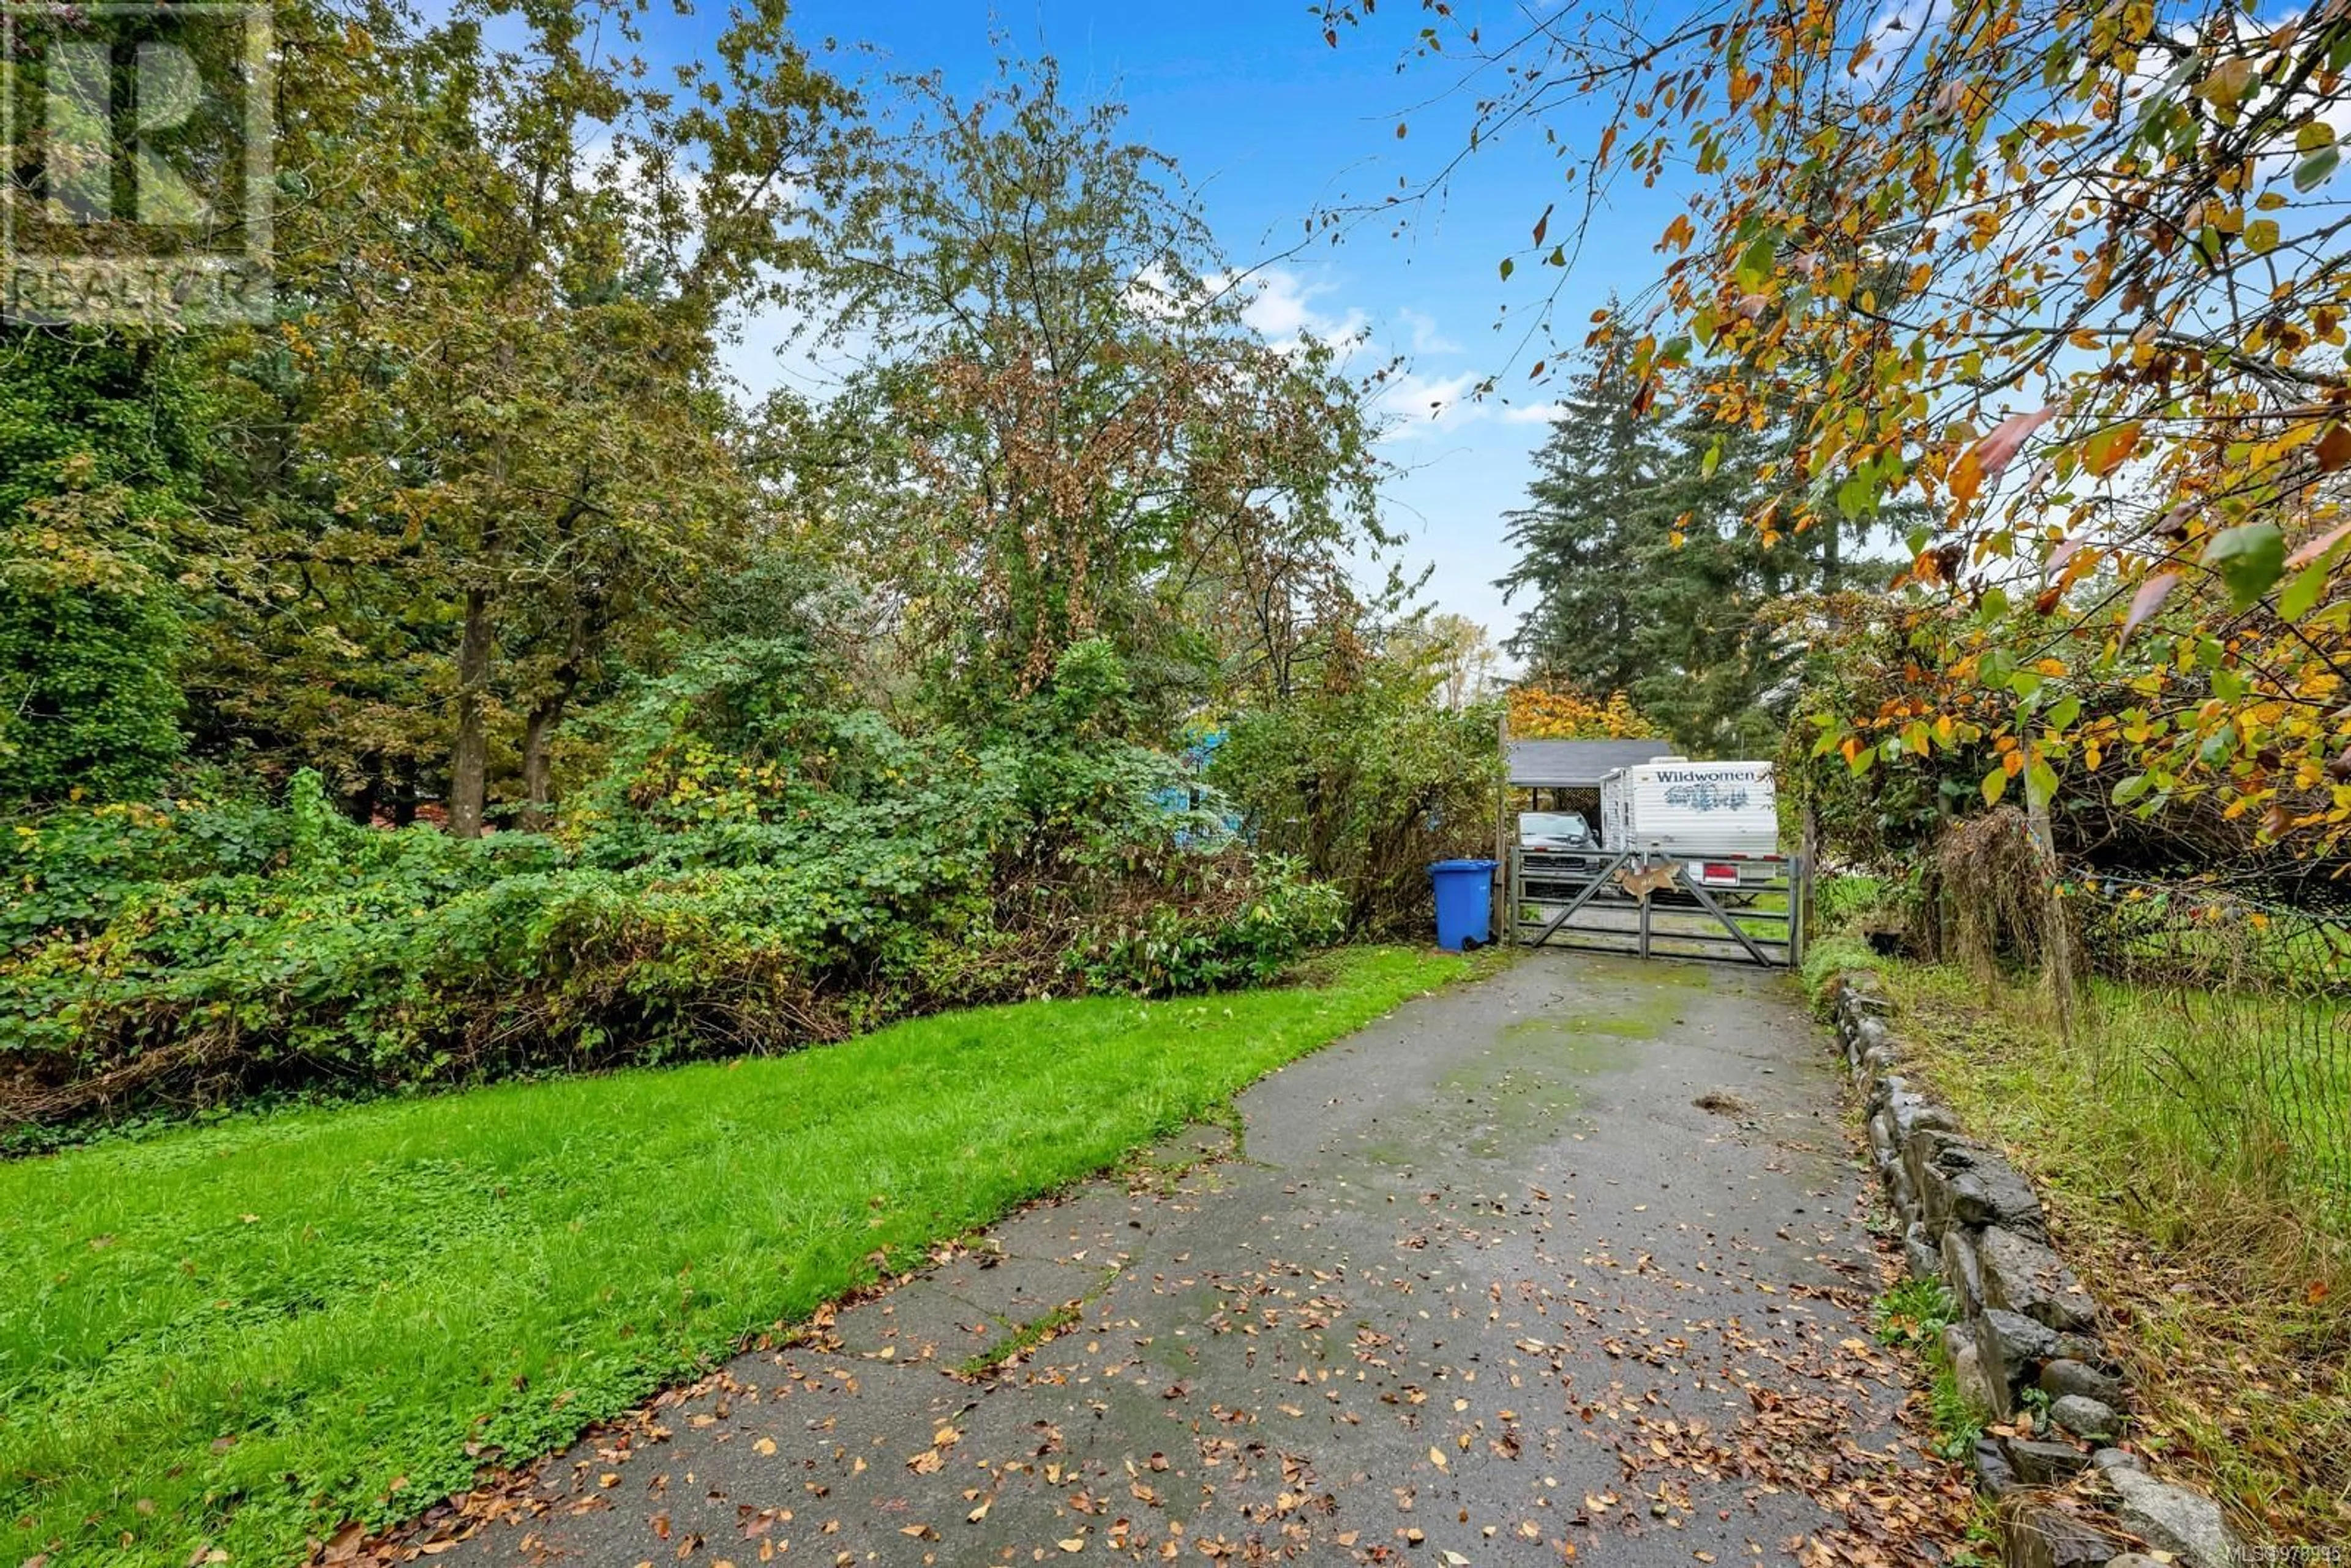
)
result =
(1647, 904)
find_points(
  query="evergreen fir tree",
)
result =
(1646, 576)
(1576, 557)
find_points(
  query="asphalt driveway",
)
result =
(1570, 1263)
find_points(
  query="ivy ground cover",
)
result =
(235, 1338)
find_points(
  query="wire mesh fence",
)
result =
(2222, 1022)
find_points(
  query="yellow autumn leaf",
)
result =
(2107, 450)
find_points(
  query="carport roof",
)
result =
(1577, 764)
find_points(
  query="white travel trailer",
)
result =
(1722, 818)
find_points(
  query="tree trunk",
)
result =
(403, 796)
(469, 766)
(361, 804)
(538, 768)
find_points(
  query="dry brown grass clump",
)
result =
(1989, 903)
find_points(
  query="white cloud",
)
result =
(780, 343)
(1158, 293)
(777, 347)
(1422, 405)
(1426, 337)
(1280, 304)
(1896, 35)
(1287, 307)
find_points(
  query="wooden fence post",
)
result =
(2060, 957)
(1503, 913)
(1805, 872)
(1808, 850)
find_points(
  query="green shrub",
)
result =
(89, 641)
(1366, 788)
(97, 448)
(1264, 923)
(757, 873)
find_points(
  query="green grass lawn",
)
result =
(242, 1336)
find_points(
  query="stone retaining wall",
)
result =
(2028, 1334)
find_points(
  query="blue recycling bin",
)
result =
(1464, 896)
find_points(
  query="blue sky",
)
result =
(1270, 123)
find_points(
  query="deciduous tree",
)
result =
(2111, 355)
(1073, 433)
(486, 439)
